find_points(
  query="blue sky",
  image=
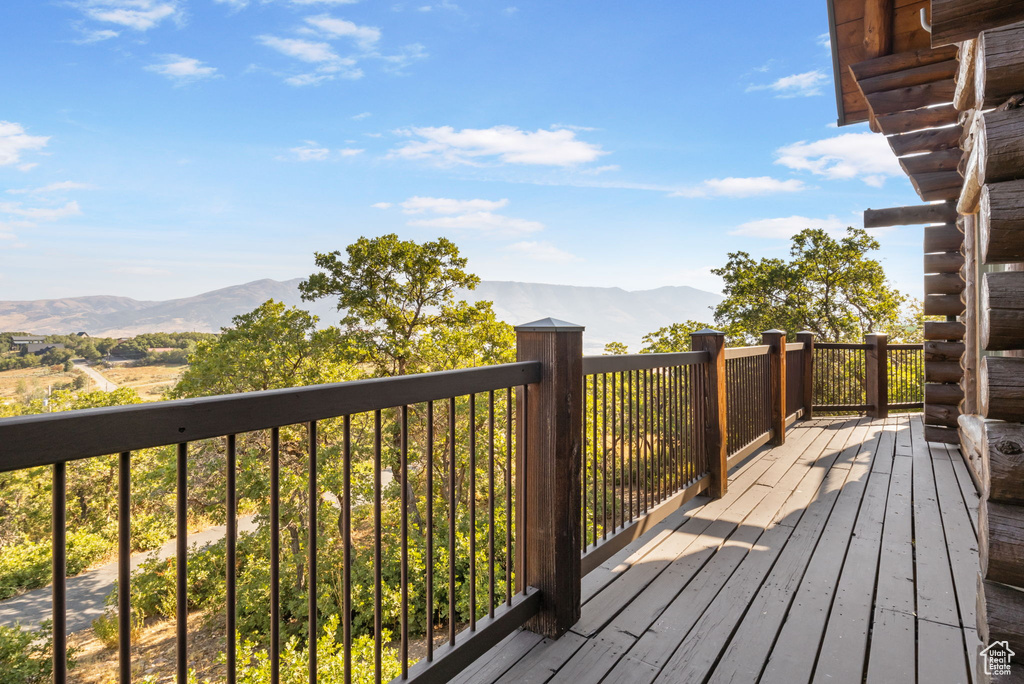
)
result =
(162, 148)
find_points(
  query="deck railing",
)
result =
(549, 466)
(852, 377)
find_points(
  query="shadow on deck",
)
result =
(847, 555)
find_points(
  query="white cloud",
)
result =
(363, 115)
(14, 141)
(787, 227)
(442, 205)
(52, 187)
(350, 151)
(507, 144)
(324, 2)
(97, 36)
(310, 152)
(542, 251)
(510, 10)
(140, 15)
(40, 213)
(806, 84)
(305, 50)
(741, 187)
(483, 221)
(365, 36)
(235, 4)
(182, 69)
(27, 166)
(843, 157)
(382, 205)
(825, 41)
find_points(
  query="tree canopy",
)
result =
(829, 286)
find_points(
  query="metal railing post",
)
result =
(877, 381)
(776, 398)
(549, 458)
(713, 408)
(807, 338)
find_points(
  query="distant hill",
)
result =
(609, 313)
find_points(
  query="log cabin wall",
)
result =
(959, 107)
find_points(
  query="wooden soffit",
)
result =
(864, 29)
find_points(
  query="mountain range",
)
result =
(609, 313)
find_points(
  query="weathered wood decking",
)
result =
(849, 554)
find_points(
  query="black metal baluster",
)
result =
(181, 566)
(275, 555)
(377, 554)
(124, 567)
(509, 513)
(346, 606)
(230, 549)
(604, 460)
(314, 500)
(430, 531)
(58, 515)
(405, 539)
(490, 505)
(472, 512)
(593, 430)
(451, 521)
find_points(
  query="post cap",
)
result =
(707, 331)
(549, 325)
(806, 332)
(774, 331)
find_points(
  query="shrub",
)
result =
(27, 565)
(106, 629)
(25, 654)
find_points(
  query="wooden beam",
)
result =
(945, 262)
(940, 185)
(911, 98)
(943, 371)
(917, 119)
(944, 284)
(963, 95)
(1000, 613)
(938, 414)
(902, 61)
(1001, 388)
(946, 238)
(940, 160)
(954, 21)
(929, 73)
(946, 394)
(908, 216)
(999, 65)
(942, 351)
(1000, 446)
(944, 435)
(969, 360)
(943, 305)
(930, 140)
(1001, 542)
(877, 27)
(1001, 222)
(943, 330)
(997, 154)
(1002, 311)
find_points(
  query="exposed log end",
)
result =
(1001, 388)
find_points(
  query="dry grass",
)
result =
(16, 384)
(149, 381)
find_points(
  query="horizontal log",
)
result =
(949, 190)
(943, 393)
(943, 371)
(917, 119)
(944, 262)
(911, 98)
(1000, 447)
(997, 154)
(1000, 614)
(1001, 542)
(1001, 304)
(1001, 388)
(940, 434)
(901, 62)
(943, 351)
(999, 65)
(943, 305)
(938, 414)
(943, 284)
(928, 73)
(1001, 222)
(963, 96)
(929, 140)
(940, 160)
(909, 216)
(954, 21)
(972, 437)
(943, 330)
(945, 238)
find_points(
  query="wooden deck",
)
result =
(847, 555)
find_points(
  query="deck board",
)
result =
(845, 555)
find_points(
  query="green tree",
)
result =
(830, 287)
(393, 293)
(672, 338)
(615, 348)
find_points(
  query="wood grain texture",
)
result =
(933, 162)
(1001, 222)
(901, 62)
(877, 374)
(1000, 613)
(943, 371)
(942, 351)
(917, 119)
(945, 238)
(928, 73)
(942, 435)
(912, 215)
(807, 338)
(777, 383)
(938, 414)
(943, 330)
(911, 98)
(930, 140)
(713, 410)
(963, 96)
(1001, 542)
(946, 394)
(943, 262)
(878, 28)
(999, 65)
(954, 21)
(1001, 388)
(943, 305)
(944, 283)
(1002, 311)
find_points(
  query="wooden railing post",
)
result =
(807, 338)
(776, 339)
(713, 408)
(548, 459)
(877, 381)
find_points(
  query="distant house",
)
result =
(81, 333)
(40, 347)
(21, 340)
(160, 350)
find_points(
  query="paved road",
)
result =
(101, 382)
(86, 593)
